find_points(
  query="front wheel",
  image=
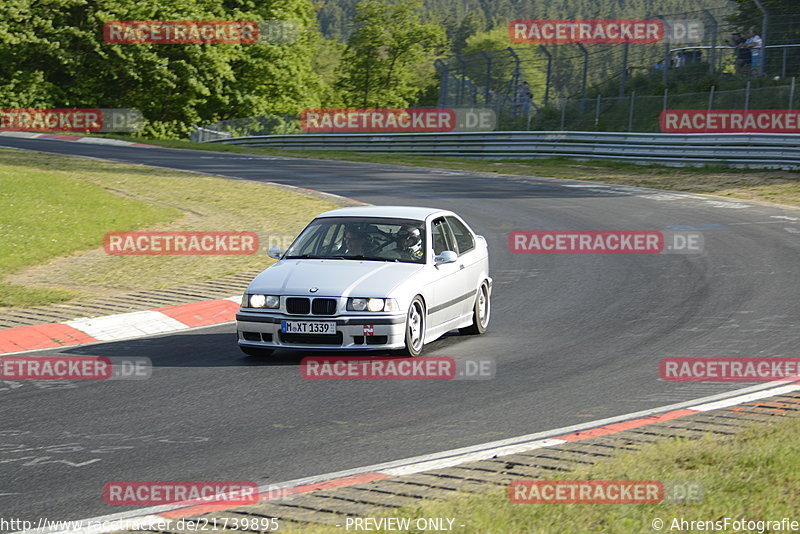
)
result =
(415, 328)
(480, 312)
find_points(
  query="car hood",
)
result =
(333, 278)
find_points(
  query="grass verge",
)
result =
(55, 211)
(753, 475)
(771, 186)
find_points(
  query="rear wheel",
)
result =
(480, 312)
(254, 351)
(415, 328)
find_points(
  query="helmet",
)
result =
(409, 236)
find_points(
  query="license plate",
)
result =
(308, 327)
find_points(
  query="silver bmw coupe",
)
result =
(369, 278)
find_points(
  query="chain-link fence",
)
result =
(533, 85)
(635, 113)
(611, 87)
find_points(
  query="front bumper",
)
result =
(353, 332)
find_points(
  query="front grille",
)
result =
(305, 306)
(323, 307)
(298, 305)
(312, 339)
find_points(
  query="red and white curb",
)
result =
(118, 327)
(74, 139)
(138, 519)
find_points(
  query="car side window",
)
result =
(463, 236)
(439, 234)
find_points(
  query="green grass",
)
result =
(753, 475)
(45, 214)
(55, 211)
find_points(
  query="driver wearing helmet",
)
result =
(356, 242)
(409, 243)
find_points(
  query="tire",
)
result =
(415, 328)
(481, 312)
(253, 351)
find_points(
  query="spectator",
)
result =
(742, 54)
(754, 43)
(522, 99)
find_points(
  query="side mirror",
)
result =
(448, 256)
(275, 252)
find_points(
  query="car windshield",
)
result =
(361, 238)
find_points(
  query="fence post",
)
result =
(443, 74)
(597, 111)
(630, 111)
(712, 41)
(783, 63)
(711, 97)
(667, 59)
(563, 113)
(764, 26)
(549, 73)
(747, 97)
(624, 75)
(488, 76)
(666, 92)
(585, 72)
(791, 92)
(462, 82)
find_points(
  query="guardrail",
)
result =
(747, 150)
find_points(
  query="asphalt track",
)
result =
(575, 337)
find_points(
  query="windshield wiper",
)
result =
(312, 257)
(370, 258)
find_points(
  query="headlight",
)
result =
(265, 301)
(357, 304)
(372, 304)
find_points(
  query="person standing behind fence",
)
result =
(741, 53)
(527, 97)
(754, 43)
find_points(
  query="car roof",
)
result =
(390, 212)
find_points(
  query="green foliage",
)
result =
(385, 53)
(52, 54)
(783, 28)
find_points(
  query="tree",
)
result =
(385, 52)
(52, 54)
